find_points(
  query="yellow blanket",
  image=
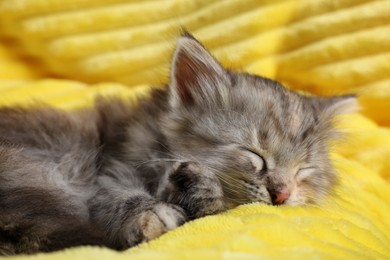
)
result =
(64, 52)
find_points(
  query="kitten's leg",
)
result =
(195, 189)
(39, 209)
(129, 215)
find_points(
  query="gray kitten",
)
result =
(120, 174)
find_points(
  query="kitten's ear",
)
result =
(196, 76)
(338, 105)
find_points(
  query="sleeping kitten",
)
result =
(120, 174)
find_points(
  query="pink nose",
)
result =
(281, 197)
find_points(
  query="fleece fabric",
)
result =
(65, 52)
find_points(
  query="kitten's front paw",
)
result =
(196, 190)
(154, 222)
(162, 218)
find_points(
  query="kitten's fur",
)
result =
(120, 174)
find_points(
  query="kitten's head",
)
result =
(264, 142)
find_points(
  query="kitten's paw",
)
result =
(156, 221)
(196, 190)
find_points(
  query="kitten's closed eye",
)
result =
(256, 160)
(304, 173)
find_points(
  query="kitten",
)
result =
(120, 174)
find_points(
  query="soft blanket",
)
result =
(65, 52)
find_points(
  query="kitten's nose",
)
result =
(278, 197)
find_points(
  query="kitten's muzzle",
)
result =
(279, 195)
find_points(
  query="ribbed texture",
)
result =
(63, 94)
(65, 52)
(326, 46)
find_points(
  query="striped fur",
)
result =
(119, 174)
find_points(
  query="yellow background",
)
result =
(64, 52)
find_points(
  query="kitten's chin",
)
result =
(295, 203)
(301, 201)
